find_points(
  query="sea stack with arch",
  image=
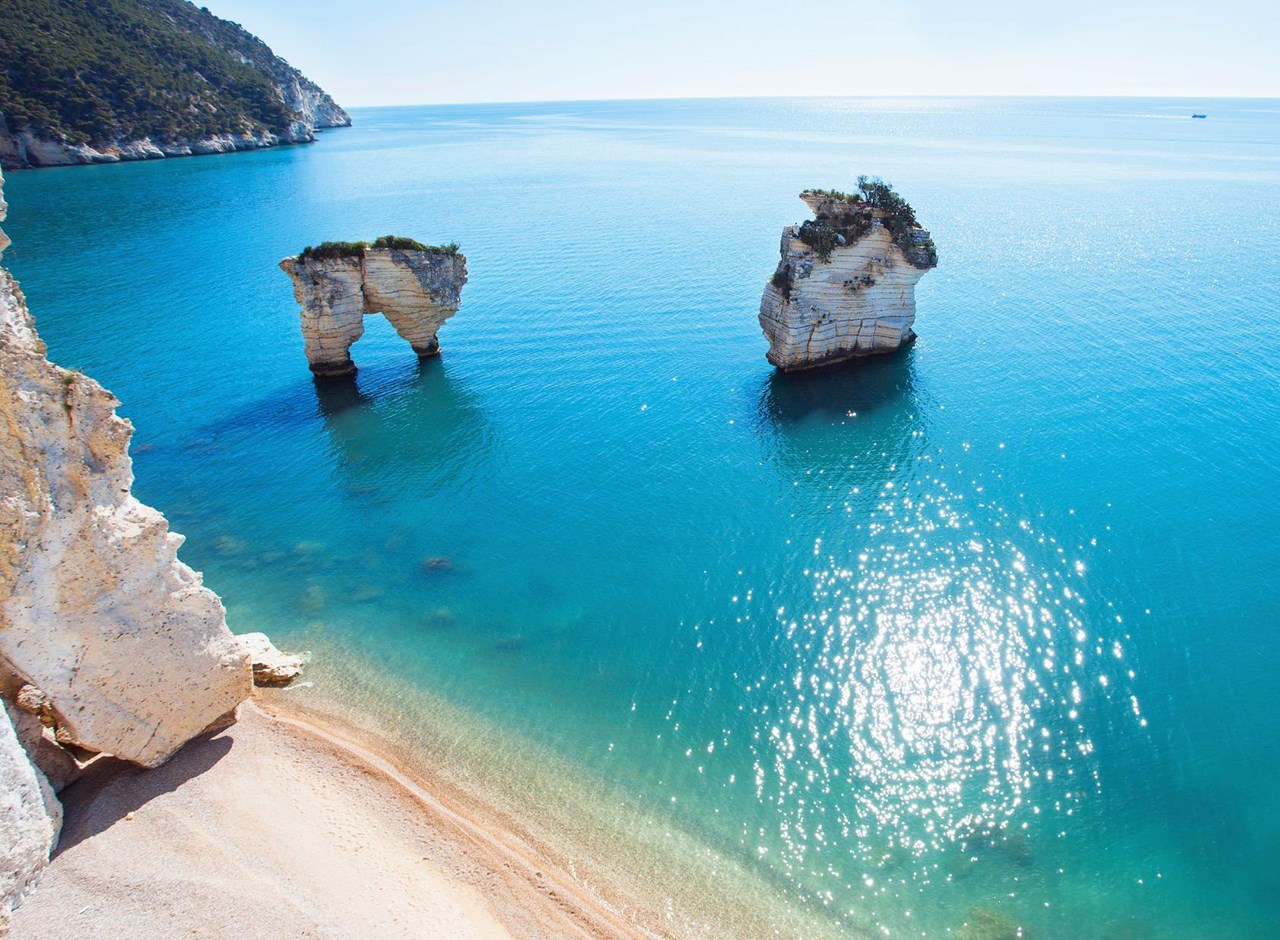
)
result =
(845, 284)
(417, 287)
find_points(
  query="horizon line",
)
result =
(832, 97)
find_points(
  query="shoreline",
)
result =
(25, 152)
(615, 847)
(285, 811)
(441, 802)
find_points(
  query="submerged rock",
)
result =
(367, 592)
(313, 599)
(228, 545)
(845, 283)
(416, 287)
(982, 923)
(439, 618)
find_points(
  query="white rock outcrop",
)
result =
(108, 643)
(417, 289)
(130, 650)
(270, 666)
(852, 292)
(30, 815)
(30, 819)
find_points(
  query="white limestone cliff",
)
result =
(850, 294)
(96, 612)
(108, 643)
(27, 149)
(417, 289)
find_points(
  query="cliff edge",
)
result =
(108, 643)
(845, 284)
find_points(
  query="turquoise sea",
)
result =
(984, 633)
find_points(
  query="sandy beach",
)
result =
(278, 827)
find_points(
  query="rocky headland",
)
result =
(845, 284)
(93, 82)
(417, 287)
(109, 645)
(141, 795)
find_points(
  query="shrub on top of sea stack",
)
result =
(845, 282)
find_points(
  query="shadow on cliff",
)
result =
(111, 789)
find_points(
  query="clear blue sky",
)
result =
(422, 51)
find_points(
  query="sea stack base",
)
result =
(838, 357)
(333, 370)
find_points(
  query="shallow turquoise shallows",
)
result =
(984, 632)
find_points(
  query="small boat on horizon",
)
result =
(1199, 115)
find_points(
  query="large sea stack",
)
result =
(845, 284)
(417, 287)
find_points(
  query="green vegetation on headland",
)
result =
(326, 250)
(98, 72)
(849, 216)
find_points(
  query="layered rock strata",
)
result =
(417, 290)
(108, 643)
(849, 290)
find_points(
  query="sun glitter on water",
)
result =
(935, 693)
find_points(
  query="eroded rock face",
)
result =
(416, 290)
(858, 300)
(108, 643)
(30, 815)
(127, 649)
(30, 819)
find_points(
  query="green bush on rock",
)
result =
(330, 250)
(783, 280)
(844, 218)
(821, 236)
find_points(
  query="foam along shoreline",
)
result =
(280, 826)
